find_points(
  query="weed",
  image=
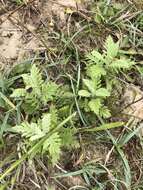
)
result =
(36, 92)
(57, 105)
(102, 71)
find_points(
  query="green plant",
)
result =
(102, 71)
(37, 92)
(35, 131)
(46, 128)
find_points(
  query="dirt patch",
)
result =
(14, 46)
(60, 9)
(134, 101)
(10, 40)
(19, 32)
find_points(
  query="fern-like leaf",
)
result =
(111, 47)
(68, 138)
(53, 146)
(39, 130)
(49, 91)
(90, 85)
(95, 57)
(95, 105)
(20, 92)
(46, 123)
(105, 112)
(31, 131)
(36, 79)
(34, 131)
(36, 93)
(102, 70)
(123, 63)
(95, 71)
(102, 92)
(33, 80)
(84, 93)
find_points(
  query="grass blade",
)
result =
(102, 127)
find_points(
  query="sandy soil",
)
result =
(20, 25)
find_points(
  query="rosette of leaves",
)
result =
(36, 92)
(109, 64)
(101, 75)
(46, 130)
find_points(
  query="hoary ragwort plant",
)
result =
(101, 76)
(47, 129)
(37, 93)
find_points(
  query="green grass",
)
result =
(61, 114)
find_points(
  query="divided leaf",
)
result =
(95, 71)
(36, 131)
(90, 85)
(111, 47)
(19, 92)
(33, 80)
(37, 92)
(95, 105)
(123, 63)
(105, 112)
(53, 145)
(84, 93)
(68, 138)
(102, 92)
(46, 122)
(35, 77)
(31, 131)
(49, 91)
(95, 57)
